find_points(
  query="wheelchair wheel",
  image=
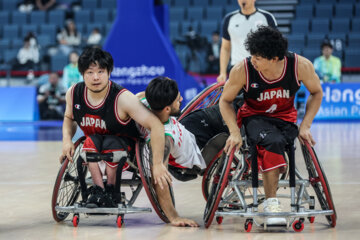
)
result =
(218, 187)
(144, 164)
(210, 175)
(206, 98)
(319, 182)
(67, 185)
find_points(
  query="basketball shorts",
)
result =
(269, 137)
(113, 149)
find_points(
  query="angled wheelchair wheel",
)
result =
(218, 187)
(67, 184)
(145, 165)
(319, 182)
(209, 176)
(206, 98)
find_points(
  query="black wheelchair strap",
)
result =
(97, 157)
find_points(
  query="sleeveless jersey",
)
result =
(185, 151)
(273, 98)
(103, 118)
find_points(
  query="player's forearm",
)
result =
(229, 116)
(312, 107)
(69, 129)
(157, 143)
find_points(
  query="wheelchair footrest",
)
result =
(119, 210)
(282, 183)
(279, 214)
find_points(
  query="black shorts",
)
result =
(205, 124)
(120, 148)
(269, 137)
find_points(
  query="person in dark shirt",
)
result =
(270, 79)
(106, 113)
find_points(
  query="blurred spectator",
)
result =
(327, 66)
(94, 37)
(213, 53)
(26, 6)
(51, 98)
(33, 40)
(28, 56)
(45, 5)
(69, 38)
(71, 74)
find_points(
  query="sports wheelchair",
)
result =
(73, 180)
(228, 178)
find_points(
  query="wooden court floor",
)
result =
(28, 170)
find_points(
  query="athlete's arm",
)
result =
(69, 129)
(307, 75)
(236, 82)
(224, 59)
(129, 105)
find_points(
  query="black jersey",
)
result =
(103, 118)
(273, 98)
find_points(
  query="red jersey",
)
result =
(273, 98)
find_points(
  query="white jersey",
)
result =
(236, 26)
(185, 151)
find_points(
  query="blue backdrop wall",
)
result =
(18, 104)
(140, 46)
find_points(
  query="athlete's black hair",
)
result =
(266, 42)
(95, 55)
(161, 92)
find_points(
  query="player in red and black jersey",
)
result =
(270, 79)
(106, 112)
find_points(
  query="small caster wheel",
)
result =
(298, 226)
(311, 219)
(248, 225)
(219, 220)
(75, 220)
(119, 221)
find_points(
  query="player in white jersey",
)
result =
(184, 151)
(235, 28)
(163, 98)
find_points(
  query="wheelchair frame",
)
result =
(71, 181)
(232, 202)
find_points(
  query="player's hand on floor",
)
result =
(184, 222)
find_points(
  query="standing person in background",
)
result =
(213, 53)
(235, 27)
(327, 66)
(71, 74)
